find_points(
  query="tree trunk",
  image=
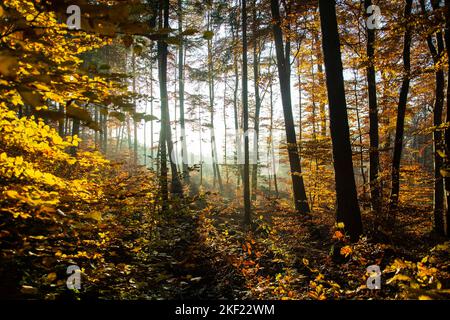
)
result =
(225, 128)
(272, 149)
(301, 202)
(184, 154)
(348, 210)
(436, 53)
(374, 155)
(447, 132)
(235, 35)
(214, 157)
(152, 152)
(176, 187)
(246, 177)
(61, 122)
(135, 144)
(323, 118)
(360, 133)
(162, 74)
(256, 58)
(96, 119)
(401, 110)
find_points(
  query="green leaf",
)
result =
(118, 115)
(208, 35)
(149, 117)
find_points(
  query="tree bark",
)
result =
(246, 177)
(184, 154)
(176, 187)
(348, 210)
(401, 111)
(436, 53)
(215, 164)
(300, 199)
(374, 154)
(447, 132)
(256, 62)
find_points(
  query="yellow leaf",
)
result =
(346, 251)
(52, 277)
(38, 237)
(13, 194)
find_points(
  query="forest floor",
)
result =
(200, 249)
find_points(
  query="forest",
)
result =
(224, 150)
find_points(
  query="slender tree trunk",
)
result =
(300, 112)
(119, 136)
(447, 132)
(235, 35)
(256, 62)
(274, 168)
(129, 132)
(323, 118)
(438, 146)
(348, 210)
(162, 68)
(135, 142)
(96, 119)
(201, 143)
(226, 128)
(184, 153)
(374, 154)
(401, 111)
(301, 202)
(104, 133)
(358, 120)
(214, 157)
(152, 152)
(145, 131)
(246, 177)
(61, 122)
(176, 187)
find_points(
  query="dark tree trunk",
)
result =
(61, 121)
(374, 154)
(401, 111)
(436, 53)
(235, 34)
(215, 165)
(256, 57)
(272, 149)
(447, 132)
(323, 119)
(348, 210)
(135, 143)
(162, 74)
(105, 133)
(301, 202)
(246, 177)
(176, 187)
(184, 154)
(96, 119)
